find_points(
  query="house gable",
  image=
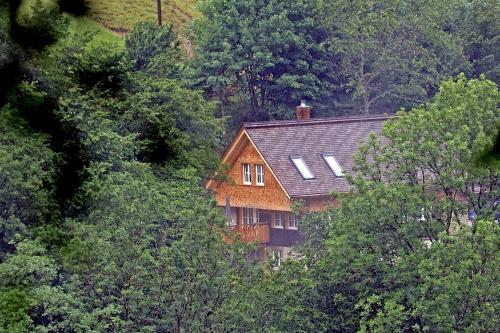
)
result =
(271, 196)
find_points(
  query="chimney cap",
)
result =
(303, 103)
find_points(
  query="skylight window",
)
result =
(334, 165)
(302, 167)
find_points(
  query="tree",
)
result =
(474, 24)
(386, 265)
(33, 295)
(268, 50)
(27, 179)
(384, 54)
(154, 50)
(146, 249)
(42, 24)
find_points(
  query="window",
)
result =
(278, 256)
(247, 216)
(250, 216)
(247, 174)
(334, 165)
(278, 221)
(292, 222)
(259, 174)
(302, 167)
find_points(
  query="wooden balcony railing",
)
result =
(256, 233)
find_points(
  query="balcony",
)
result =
(256, 233)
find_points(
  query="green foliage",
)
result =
(258, 59)
(270, 51)
(388, 266)
(458, 276)
(154, 50)
(32, 302)
(39, 23)
(92, 64)
(385, 53)
(441, 142)
(135, 245)
(28, 172)
(475, 24)
(14, 310)
(172, 122)
(375, 317)
(147, 253)
(9, 52)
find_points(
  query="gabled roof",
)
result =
(278, 141)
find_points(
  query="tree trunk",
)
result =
(253, 99)
(221, 98)
(158, 10)
(362, 77)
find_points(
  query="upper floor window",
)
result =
(334, 165)
(302, 167)
(279, 221)
(247, 174)
(259, 174)
(292, 222)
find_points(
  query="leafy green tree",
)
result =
(27, 179)
(39, 25)
(458, 282)
(268, 50)
(438, 151)
(384, 53)
(149, 254)
(475, 25)
(90, 64)
(154, 50)
(389, 266)
(33, 297)
(172, 123)
(146, 250)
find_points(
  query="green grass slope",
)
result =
(77, 24)
(121, 15)
(81, 25)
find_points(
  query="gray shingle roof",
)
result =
(279, 140)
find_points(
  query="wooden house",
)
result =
(272, 164)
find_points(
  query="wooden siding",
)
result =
(318, 203)
(257, 233)
(270, 196)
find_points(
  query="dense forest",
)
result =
(106, 141)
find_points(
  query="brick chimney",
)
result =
(303, 111)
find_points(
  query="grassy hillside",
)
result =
(121, 15)
(76, 24)
(85, 24)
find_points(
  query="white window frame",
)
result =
(295, 226)
(334, 165)
(250, 216)
(259, 174)
(279, 217)
(247, 174)
(302, 167)
(278, 256)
